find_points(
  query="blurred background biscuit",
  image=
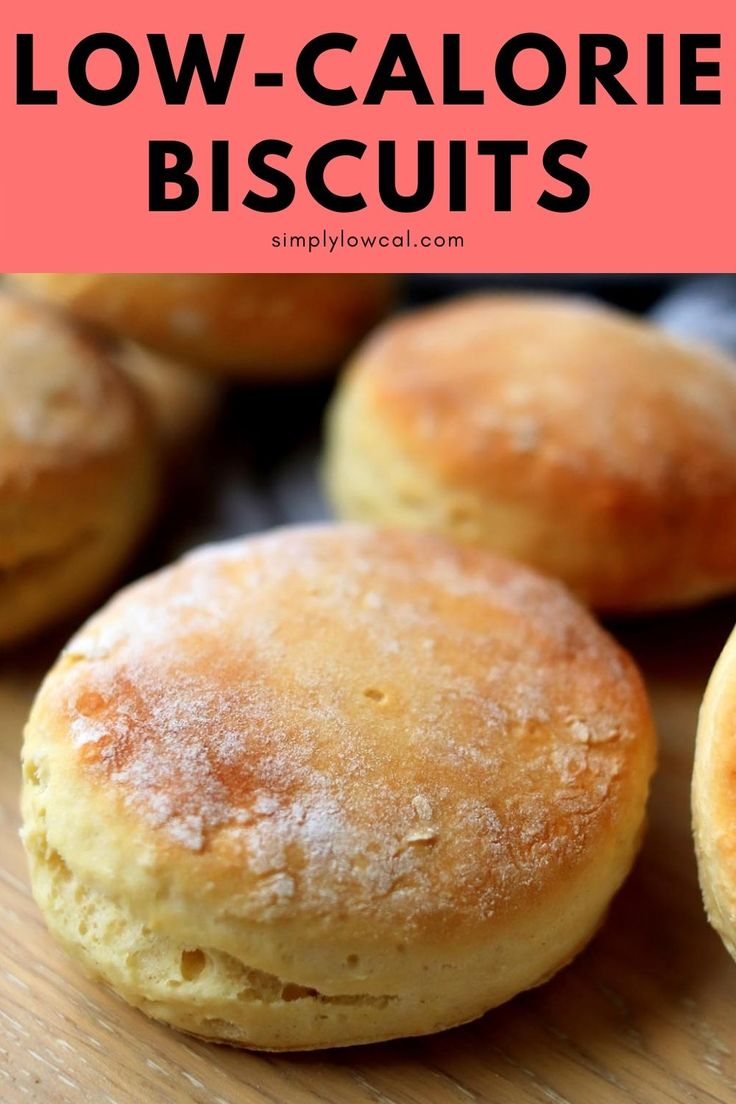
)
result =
(183, 402)
(262, 327)
(78, 469)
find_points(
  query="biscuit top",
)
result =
(521, 391)
(232, 322)
(74, 435)
(60, 395)
(71, 427)
(341, 717)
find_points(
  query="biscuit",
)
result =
(78, 469)
(556, 431)
(183, 402)
(333, 785)
(245, 326)
(714, 797)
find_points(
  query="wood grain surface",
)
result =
(646, 1014)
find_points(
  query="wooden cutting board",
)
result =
(646, 1014)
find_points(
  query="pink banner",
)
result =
(389, 137)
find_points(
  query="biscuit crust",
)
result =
(333, 785)
(239, 325)
(78, 469)
(555, 431)
(183, 401)
(714, 797)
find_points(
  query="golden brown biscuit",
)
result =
(714, 796)
(183, 401)
(333, 785)
(561, 433)
(78, 472)
(245, 326)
